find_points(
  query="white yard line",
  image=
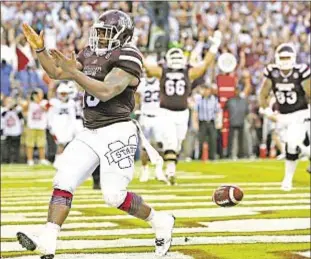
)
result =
(251, 225)
(32, 199)
(161, 204)
(129, 242)
(100, 204)
(306, 254)
(170, 255)
(144, 191)
(179, 213)
(26, 200)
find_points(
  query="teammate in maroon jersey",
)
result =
(290, 83)
(109, 69)
(175, 87)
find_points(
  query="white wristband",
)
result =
(214, 49)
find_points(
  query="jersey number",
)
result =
(289, 97)
(172, 87)
(91, 101)
(151, 96)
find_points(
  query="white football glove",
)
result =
(216, 41)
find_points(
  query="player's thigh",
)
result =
(295, 135)
(76, 164)
(116, 147)
(169, 136)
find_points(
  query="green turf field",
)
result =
(267, 224)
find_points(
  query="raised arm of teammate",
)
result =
(153, 70)
(199, 70)
(46, 60)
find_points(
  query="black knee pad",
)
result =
(291, 157)
(170, 155)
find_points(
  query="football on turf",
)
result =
(227, 195)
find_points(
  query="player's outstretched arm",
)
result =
(199, 70)
(47, 62)
(115, 82)
(153, 70)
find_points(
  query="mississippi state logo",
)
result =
(121, 153)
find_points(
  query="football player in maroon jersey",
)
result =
(109, 69)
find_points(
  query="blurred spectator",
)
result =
(29, 80)
(6, 73)
(204, 116)
(37, 124)
(238, 110)
(12, 119)
(251, 31)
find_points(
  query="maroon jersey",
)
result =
(175, 88)
(288, 90)
(98, 114)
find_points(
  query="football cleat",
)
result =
(287, 187)
(172, 180)
(32, 243)
(26, 242)
(163, 226)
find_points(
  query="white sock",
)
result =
(290, 168)
(48, 238)
(53, 228)
(159, 172)
(146, 169)
(170, 168)
(151, 215)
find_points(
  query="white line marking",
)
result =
(144, 191)
(251, 225)
(306, 254)
(128, 242)
(158, 204)
(170, 255)
(31, 199)
(10, 231)
(179, 213)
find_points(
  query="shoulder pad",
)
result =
(130, 60)
(301, 67)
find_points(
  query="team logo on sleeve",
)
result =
(121, 153)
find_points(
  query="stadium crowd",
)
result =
(251, 33)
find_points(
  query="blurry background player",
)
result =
(12, 121)
(36, 111)
(148, 93)
(175, 87)
(62, 117)
(290, 83)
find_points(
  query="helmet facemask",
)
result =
(285, 57)
(104, 38)
(175, 59)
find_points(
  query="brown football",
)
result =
(227, 195)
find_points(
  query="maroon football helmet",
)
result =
(112, 29)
